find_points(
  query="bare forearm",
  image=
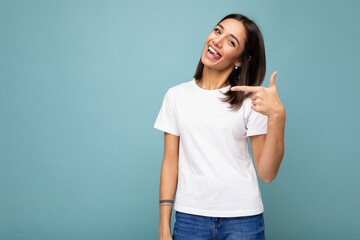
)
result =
(273, 150)
(168, 183)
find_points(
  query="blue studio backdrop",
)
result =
(81, 83)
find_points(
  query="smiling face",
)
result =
(224, 45)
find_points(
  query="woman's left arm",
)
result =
(268, 150)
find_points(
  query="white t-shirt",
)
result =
(216, 174)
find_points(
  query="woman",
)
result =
(207, 124)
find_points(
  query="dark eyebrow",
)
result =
(232, 35)
(221, 26)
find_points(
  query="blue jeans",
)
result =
(193, 227)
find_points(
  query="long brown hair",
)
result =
(253, 63)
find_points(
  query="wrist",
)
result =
(278, 114)
(164, 229)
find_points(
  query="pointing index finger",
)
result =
(246, 88)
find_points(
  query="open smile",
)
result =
(213, 52)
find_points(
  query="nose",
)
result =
(218, 41)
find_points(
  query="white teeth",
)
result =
(212, 50)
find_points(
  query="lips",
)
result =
(214, 53)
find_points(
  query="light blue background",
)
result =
(81, 83)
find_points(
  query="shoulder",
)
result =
(247, 101)
(183, 85)
(174, 90)
(248, 112)
(246, 106)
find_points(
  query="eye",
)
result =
(217, 30)
(232, 43)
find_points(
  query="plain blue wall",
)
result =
(81, 83)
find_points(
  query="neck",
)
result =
(213, 79)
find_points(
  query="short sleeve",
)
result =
(256, 123)
(166, 119)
